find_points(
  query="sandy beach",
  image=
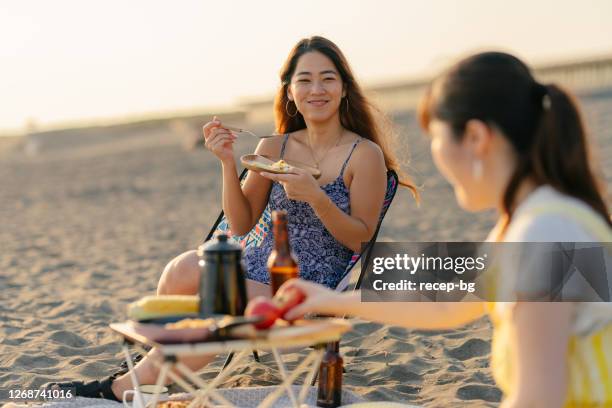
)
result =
(90, 217)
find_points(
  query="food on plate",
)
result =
(281, 165)
(190, 324)
(150, 307)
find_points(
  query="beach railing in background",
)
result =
(394, 98)
(580, 76)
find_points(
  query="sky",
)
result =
(63, 61)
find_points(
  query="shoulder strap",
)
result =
(282, 152)
(349, 156)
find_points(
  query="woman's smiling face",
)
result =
(316, 87)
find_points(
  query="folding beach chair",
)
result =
(256, 236)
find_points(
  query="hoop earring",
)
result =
(287, 109)
(347, 104)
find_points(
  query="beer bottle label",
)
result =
(283, 269)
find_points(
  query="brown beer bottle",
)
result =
(330, 377)
(282, 265)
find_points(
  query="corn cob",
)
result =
(150, 307)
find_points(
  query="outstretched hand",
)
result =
(318, 298)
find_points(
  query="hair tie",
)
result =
(542, 91)
(546, 102)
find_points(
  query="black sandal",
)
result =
(123, 367)
(92, 389)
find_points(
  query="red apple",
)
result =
(288, 299)
(262, 306)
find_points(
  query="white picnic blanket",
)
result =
(246, 397)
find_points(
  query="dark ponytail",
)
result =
(542, 122)
(559, 155)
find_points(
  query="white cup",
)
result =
(147, 392)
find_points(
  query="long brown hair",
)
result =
(356, 112)
(542, 122)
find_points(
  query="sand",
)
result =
(90, 218)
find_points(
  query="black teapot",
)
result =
(222, 281)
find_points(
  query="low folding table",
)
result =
(302, 334)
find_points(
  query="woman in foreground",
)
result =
(507, 142)
(326, 122)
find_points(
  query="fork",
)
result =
(239, 130)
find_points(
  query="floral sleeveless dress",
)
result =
(321, 258)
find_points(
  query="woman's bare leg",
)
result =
(180, 277)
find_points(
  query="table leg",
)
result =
(206, 388)
(227, 371)
(219, 378)
(166, 371)
(311, 375)
(161, 379)
(171, 374)
(135, 384)
(274, 395)
(181, 382)
(283, 372)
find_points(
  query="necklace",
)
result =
(326, 151)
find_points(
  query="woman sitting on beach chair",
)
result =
(325, 121)
(505, 141)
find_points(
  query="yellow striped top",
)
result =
(589, 355)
